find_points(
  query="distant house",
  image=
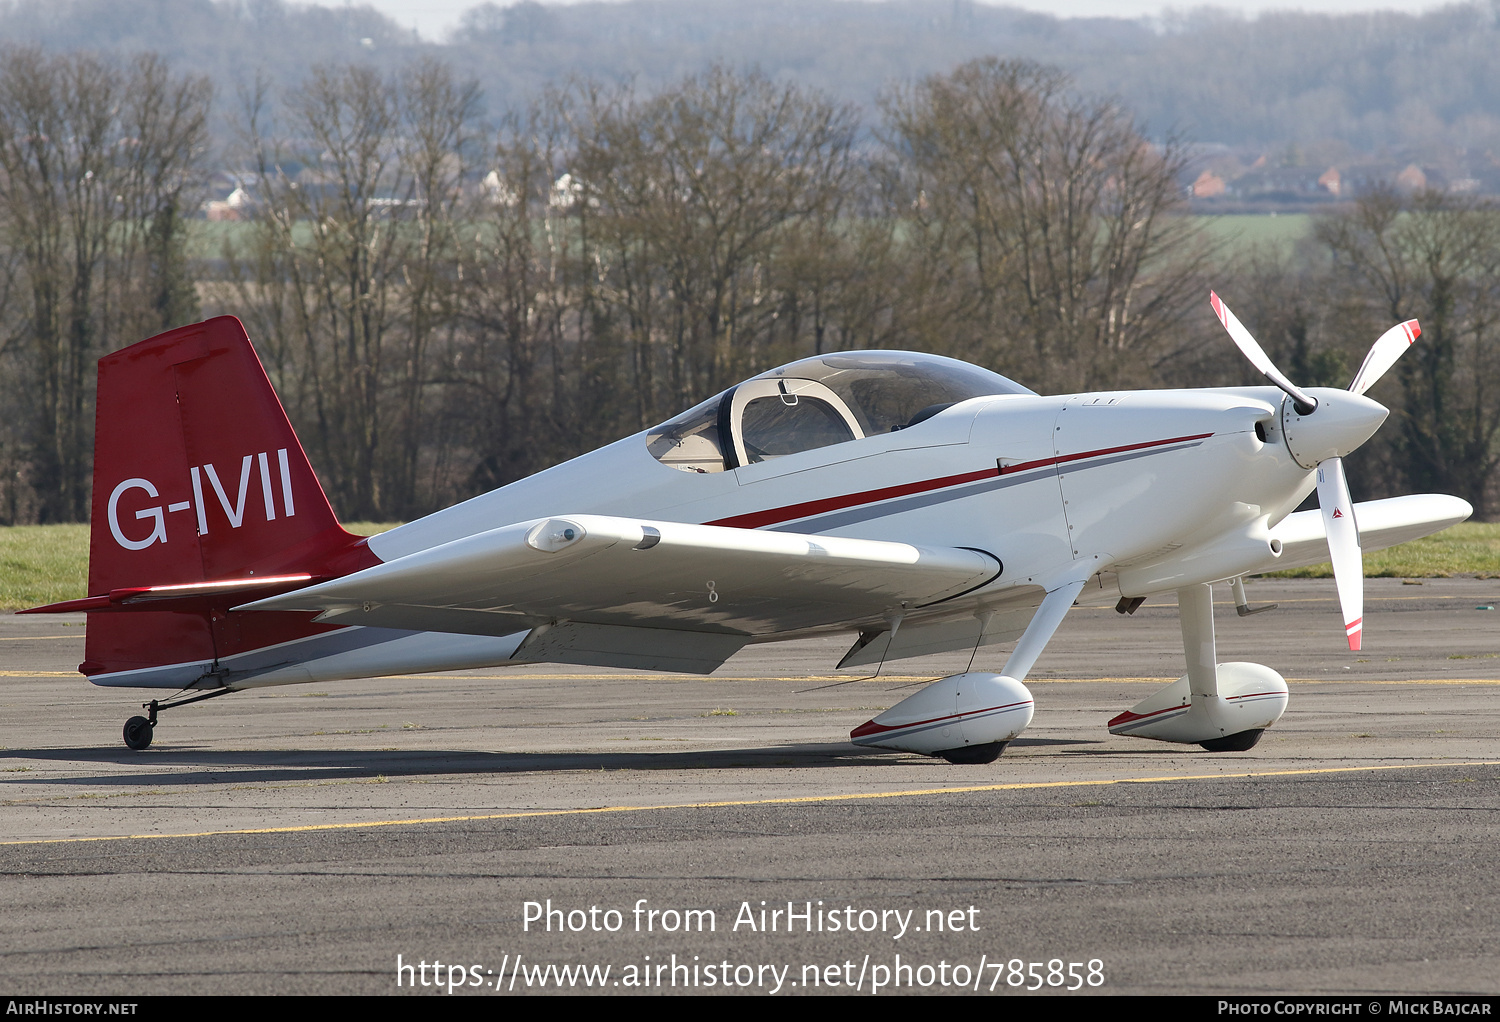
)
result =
(1209, 185)
(497, 191)
(1376, 175)
(1279, 184)
(565, 192)
(1412, 179)
(234, 206)
(1331, 181)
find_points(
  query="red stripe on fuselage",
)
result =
(807, 509)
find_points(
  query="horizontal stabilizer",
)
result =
(188, 596)
(1381, 524)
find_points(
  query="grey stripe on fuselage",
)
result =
(314, 647)
(839, 519)
(256, 661)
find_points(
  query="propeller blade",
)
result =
(1343, 545)
(1383, 354)
(1258, 357)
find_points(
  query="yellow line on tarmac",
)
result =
(1341, 679)
(1394, 681)
(896, 678)
(801, 799)
(1300, 599)
(652, 677)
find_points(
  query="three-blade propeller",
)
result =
(1333, 488)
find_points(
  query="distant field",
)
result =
(42, 564)
(1269, 230)
(206, 240)
(49, 563)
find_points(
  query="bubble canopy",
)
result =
(816, 402)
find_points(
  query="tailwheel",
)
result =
(1244, 741)
(969, 754)
(140, 730)
(138, 733)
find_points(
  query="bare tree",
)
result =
(437, 143)
(164, 123)
(94, 166)
(520, 302)
(353, 263)
(694, 194)
(1436, 258)
(1043, 227)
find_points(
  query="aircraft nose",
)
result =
(1339, 424)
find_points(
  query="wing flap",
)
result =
(604, 570)
(992, 622)
(638, 649)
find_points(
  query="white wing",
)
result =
(660, 592)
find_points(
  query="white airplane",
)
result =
(919, 503)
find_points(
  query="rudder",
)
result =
(197, 472)
(199, 483)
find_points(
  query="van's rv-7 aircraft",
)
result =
(919, 503)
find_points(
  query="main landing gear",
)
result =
(140, 730)
(1220, 707)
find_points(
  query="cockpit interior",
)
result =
(817, 402)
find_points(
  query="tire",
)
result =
(972, 754)
(138, 733)
(1244, 741)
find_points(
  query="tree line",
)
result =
(447, 304)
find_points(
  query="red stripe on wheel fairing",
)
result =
(870, 727)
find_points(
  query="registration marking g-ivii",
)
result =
(830, 513)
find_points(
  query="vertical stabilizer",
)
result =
(198, 478)
(197, 473)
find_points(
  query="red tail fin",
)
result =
(197, 473)
(198, 477)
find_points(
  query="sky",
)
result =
(433, 18)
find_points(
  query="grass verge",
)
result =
(1468, 548)
(50, 563)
